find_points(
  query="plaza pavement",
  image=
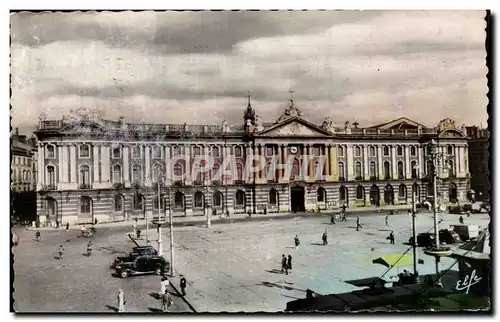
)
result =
(230, 267)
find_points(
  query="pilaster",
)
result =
(147, 166)
(394, 165)
(285, 178)
(380, 165)
(187, 162)
(126, 166)
(168, 166)
(366, 166)
(41, 167)
(349, 167)
(407, 162)
(333, 164)
(60, 176)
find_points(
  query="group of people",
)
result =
(286, 264)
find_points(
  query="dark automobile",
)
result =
(143, 265)
(136, 252)
(428, 239)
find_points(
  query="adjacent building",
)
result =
(22, 166)
(479, 158)
(92, 168)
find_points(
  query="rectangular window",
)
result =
(317, 151)
(51, 153)
(84, 151)
(269, 151)
(157, 152)
(197, 151)
(136, 151)
(117, 152)
(177, 150)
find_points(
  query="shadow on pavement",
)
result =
(155, 310)
(274, 271)
(316, 244)
(288, 288)
(112, 308)
(154, 295)
(113, 251)
(292, 297)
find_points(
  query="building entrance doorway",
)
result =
(297, 197)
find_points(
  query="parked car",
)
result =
(428, 239)
(146, 264)
(136, 252)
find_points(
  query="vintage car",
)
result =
(136, 252)
(146, 264)
(428, 239)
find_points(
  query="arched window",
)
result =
(85, 205)
(343, 195)
(217, 199)
(375, 195)
(451, 169)
(357, 151)
(386, 151)
(118, 203)
(387, 170)
(340, 151)
(401, 170)
(157, 172)
(239, 171)
(136, 173)
(295, 169)
(84, 175)
(341, 171)
(138, 202)
(273, 197)
(179, 201)
(373, 170)
(360, 193)
(453, 193)
(178, 171)
(357, 170)
(402, 191)
(199, 200)
(414, 170)
(450, 150)
(51, 206)
(240, 198)
(216, 174)
(372, 151)
(117, 173)
(399, 150)
(321, 194)
(28, 175)
(155, 203)
(413, 151)
(389, 195)
(238, 152)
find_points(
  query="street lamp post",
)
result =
(160, 242)
(414, 231)
(437, 159)
(172, 273)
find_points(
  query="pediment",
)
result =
(402, 123)
(450, 134)
(295, 127)
(82, 127)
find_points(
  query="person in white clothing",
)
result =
(163, 285)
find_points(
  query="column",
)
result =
(421, 162)
(147, 166)
(466, 159)
(326, 159)
(333, 163)
(461, 158)
(168, 166)
(310, 165)
(261, 175)
(278, 172)
(366, 166)
(455, 160)
(60, 175)
(72, 156)
(65, 164)
(126, 166)
(41, 167)
(350, 163)
(380, 172)
(394, 165)
(95, 164)
(248, 156)
(407, 162)
(187, 162)
(105, 166)
(227, 154)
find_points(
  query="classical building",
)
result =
(22, 167)
(479, 158)
(112, 170)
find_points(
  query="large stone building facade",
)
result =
(113, 170)
(479, 159)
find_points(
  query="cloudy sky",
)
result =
(197, 67)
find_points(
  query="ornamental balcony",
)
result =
(239, 181)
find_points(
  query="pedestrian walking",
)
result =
(166, 301)
(183, 284)
(284, 266)
(37, 235)
(324, 238)
(332, 220)
(461, 220)
(468, 213)
(121, 301)
(89, 248)
(386, 220)
(163, 285)
(344, 219)
(358, 225)
(60, 251)
(297, 241)
(391, 237)
(138, 233)
(343, 208)
(289, 262)
(67, 226)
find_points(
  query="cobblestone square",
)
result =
(230, 267)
